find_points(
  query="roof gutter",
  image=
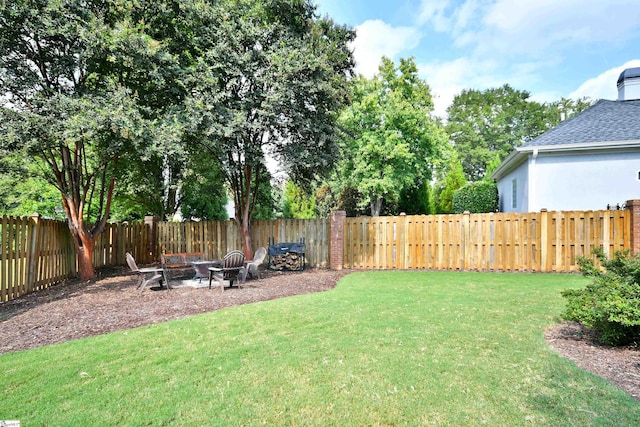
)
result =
(514, 159)
(581, 146)
(519, 155)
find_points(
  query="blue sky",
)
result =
(551, 48)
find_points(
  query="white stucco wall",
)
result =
(505, 190)
(585, 181)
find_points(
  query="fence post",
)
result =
(466, 240)
(544, 239)
(402, 242)
(151, 221)
(634, 207)
(33, 257)
(336, 239)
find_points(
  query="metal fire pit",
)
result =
(277, 250)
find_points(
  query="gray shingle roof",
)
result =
(605, 121)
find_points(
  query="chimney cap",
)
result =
(629, 73)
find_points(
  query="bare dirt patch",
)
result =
(112, 303)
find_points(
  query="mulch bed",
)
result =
(111, 303)
(618, 365)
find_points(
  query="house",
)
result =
(585, 163)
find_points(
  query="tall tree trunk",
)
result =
(85, 247)
(83, 237)
(241, 186)
(376, 206)
(247, 243)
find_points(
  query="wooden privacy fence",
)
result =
(119, 238)
(543, 241)
(216, 238)
(36, 253)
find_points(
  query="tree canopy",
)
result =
(90, 86)
(391, 137)
(67, 106)
(272, 80)
(483, 124)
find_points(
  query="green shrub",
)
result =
(477, 197)
(610, 305)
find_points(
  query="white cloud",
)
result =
(443, 16)
(448, 79)
(519, 42)
(375, 39)
(604, 85)
(544, 27)
(465, 15)
(433, 12)
(541, 28)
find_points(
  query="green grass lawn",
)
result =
(383, 348)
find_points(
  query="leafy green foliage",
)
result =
(482, 124)
(477, 197)
(268, 199)
(453, 181)
(349, 200)
(203, 194)
(610, 304)
(92, 86)
(325, 201)
(491, 167)
(416, 200)
(73, 78)
(24, 192)
(272, 79)
(391, 138)
(296, 203)
(564, 109)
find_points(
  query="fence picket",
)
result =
(35, 253)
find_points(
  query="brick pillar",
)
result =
(336, 239)
(634, 207)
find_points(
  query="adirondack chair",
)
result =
(253, 266)
(147, 275)
(231, 270)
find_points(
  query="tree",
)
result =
(483, 123)
(564, 109)
(272, 79)
(492, 166)
(349, 200)
(60, 113)
(84, 89)
(325, 201)
(268, 198)
(453, 181)
(417, 200)
(391, 137)
(203, 195)
(23, 192)
(296, 203)
(490, 123)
